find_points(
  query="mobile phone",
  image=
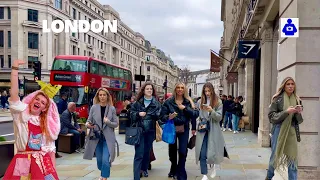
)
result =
(298, 106)
(204, 105)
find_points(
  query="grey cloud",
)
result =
(184, 29)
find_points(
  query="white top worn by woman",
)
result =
(21, 119)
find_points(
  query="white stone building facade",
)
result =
(21, 36)
(259, 79)
(159, 67)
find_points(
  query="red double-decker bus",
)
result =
(81, 76)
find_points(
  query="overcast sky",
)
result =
(184, 29)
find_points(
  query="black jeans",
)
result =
(179, 169)
(142, 153)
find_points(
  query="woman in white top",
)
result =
(36, 127)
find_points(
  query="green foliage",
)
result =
(2, 138)
(82, 120)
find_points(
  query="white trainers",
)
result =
(205, 177)
(213, 172)
(224, 129)
(230, 130)
(234, 132)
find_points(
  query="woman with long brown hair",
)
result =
(102, 121)
(210, 143)
(181, 109)
(285, 115)
(144, 113)
(36, 127)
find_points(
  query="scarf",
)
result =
(287, 145)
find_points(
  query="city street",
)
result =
(6, 126)
(247, 161)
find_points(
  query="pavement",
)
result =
(248, 161)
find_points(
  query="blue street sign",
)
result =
(248, 49)
(289, 27)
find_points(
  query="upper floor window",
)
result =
(74, 12)
(33, 39)
(58, 4)
(1, 12)
(9, 39)
(1, 39)
(9, 13)
(32, 15)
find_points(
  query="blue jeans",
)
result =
(102, 155)
(292, 171)
(179, 169)
(227, 120)
(203, 155)
(142, 153)
(235, 122)
(76, 135)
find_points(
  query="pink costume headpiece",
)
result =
(53, 118)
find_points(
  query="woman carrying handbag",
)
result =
(144, 114)
(102, 140)
(210, 144)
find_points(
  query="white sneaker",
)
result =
(213, 172)
(230, 130)
(224, 129)
(234, 132)
(237, 132)
(205, 177)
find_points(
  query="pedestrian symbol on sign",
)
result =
(289, 27)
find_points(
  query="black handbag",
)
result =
(133, 135)
(192, 142)
(203, 125)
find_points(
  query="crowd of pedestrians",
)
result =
(39, 121)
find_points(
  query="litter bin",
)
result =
(124, 121)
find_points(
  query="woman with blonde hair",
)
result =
(181, 109)
(285, 115)
(102, 121)
(210, 144)
(36, 125)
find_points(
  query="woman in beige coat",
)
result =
(210, 144)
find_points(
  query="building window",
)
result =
(32, 15)
(1, 39)
(79, 15)
(9, 39)
(148, 68)
(74, 12)
(1, 61)
(58, 4)
(33, 40)
(9, 61)
(31, 59)
(9, 13)
(74, 34)
(101, 45)
(1, 12)
(78, 51)
(84, 53)
(148, 78)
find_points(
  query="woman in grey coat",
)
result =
(210, 144)
(102, 140)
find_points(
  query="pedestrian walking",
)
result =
(285, 115)
(181, 109)
(210, 144)
(101, 140)
(144, 113)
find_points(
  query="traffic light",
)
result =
(37, 70)
(164, 85)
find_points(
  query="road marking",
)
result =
(7, 135)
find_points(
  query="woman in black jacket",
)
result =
(181, 109)
(236, 110)
(145, 112)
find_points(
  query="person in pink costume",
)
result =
(36, 127)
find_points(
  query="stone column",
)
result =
(18, 35)
(230, 89)
(241, 83)
(235, 89)
(249, 87)
(265, 86)
(299, 58)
